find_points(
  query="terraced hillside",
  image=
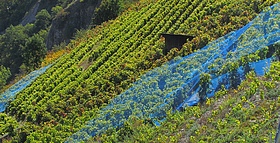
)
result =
(109, 58)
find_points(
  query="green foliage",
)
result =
(232, 117)
(204, 83)
(60, 101)
(12, 11)
(55, 10)
(64, 3)
(109, 9)
(43, 20)
(34, 52)
(4, 75)
(10, 46)
(8, 125)
(20, 48)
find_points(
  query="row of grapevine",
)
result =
(117, 53)
(246, 114)
(10, 93)
(179, 82)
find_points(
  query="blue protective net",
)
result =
(176, 84)
(10, 93)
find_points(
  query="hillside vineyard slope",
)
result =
(109, 58)
(10, 93)
(182, 77)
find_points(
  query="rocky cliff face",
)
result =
(30, 17)
(76, 16)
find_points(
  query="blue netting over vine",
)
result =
(10, 93)
(176, 84)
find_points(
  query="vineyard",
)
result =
(108, 59)
(10, 93)
(185, 80)
(230, 116)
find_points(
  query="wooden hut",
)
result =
(174, 41)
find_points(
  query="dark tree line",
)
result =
(23, 47)
(4, 75)
(12, 11)
(110, 9)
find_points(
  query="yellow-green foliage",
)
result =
(247, 114)
(109, 58)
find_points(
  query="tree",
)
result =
(34, 52)
(204, 84)
(55, 10)
(4, 75)
(43, 20)
(108, 9)
(10, 47)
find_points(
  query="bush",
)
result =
(4, 75)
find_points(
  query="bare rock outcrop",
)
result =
(76, 16)
(30, 16)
